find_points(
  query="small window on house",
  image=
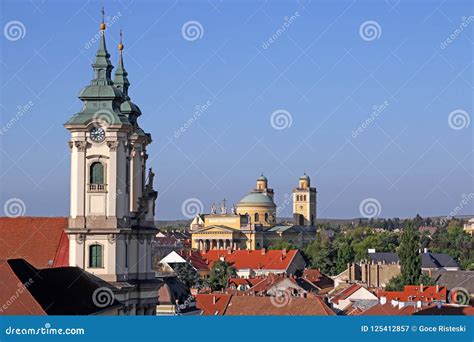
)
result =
(257, 218)
(95, 256)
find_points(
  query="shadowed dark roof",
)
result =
(428, 260)
(62, 290)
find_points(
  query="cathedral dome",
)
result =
(257, 198)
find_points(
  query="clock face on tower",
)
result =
(97, 134)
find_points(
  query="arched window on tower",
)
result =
(257, 218)
(266, 217)
(96, 177)
(95, 256)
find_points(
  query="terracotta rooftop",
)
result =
(256, 259)
(413, 293)
(231, 305)
(212, 304)
(14, 296)
(264, 306)
(430, 309)
(345, 293)
(39, 240)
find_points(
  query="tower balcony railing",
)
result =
(97, 187)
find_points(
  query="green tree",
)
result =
(408, 252)
(221, 271)
(187, 274)
(345, 255)
(321, 254)
(283, 244)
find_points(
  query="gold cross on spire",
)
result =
(120, 46)
(102, 24)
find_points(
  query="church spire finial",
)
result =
(102, 23)
(120, 46)
(121, 80)
(102, 66)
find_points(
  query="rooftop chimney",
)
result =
(214, 300)
(263, 251)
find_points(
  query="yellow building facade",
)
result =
(252, 223)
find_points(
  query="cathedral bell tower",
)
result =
(304, 203)
(111, 221)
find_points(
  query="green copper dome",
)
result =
(257, 198)
(262, 178)
(304, 177)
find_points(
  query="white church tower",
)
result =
(112, 201)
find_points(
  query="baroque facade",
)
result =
(252, 223)
(112, 200)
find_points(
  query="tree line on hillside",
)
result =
(351, 244)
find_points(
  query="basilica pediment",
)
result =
(216, 230)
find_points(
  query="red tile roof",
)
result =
(39, 240)
(257, 259)
(345, 293)
(430, 309)
(212, 304)
(15, 299)
(269, 281)
(231, 305)
(265, 306)
(317, 278)
(414, 293)
(245, 281)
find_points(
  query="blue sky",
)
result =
(322, 71)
